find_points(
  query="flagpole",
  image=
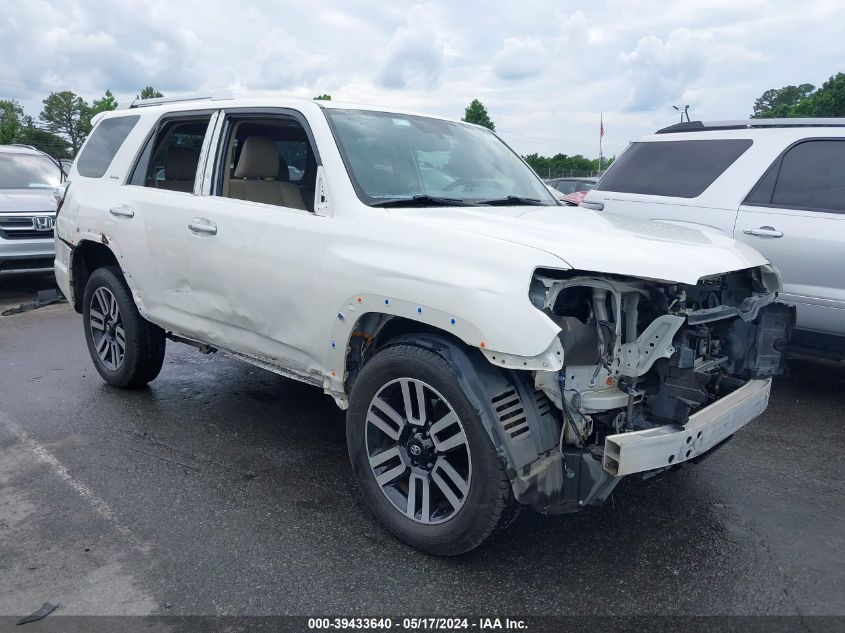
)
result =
(601, 133)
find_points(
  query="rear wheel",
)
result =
(422, 457)
(127, 350)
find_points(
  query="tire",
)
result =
(485, 503)
(143, 342)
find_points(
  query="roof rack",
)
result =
(745, 124)
(145, 103)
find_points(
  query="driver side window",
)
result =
(268, 160)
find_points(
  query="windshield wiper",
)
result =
(512, 200)
(422, 200)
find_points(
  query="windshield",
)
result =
(28, 171)
(571, 186)
(430, 162)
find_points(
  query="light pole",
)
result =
(684, 112)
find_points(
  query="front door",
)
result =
(256, 260)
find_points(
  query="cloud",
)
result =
(415, 54)
(662, 70)
(543, 72)
(519, 58)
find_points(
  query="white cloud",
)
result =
(544, 73)
(415, 54)
(519, 58)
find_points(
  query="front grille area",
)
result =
(20, 227)
(29, 263)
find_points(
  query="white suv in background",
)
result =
(492, 351)
(776, 184)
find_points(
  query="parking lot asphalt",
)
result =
(225, 489)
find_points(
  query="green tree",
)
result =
(65, 113)
(105, 104)
(44, 140)
(779, 102)
(476, 113)
(323, 98)
(827, 101)
(148, 92)
(561, 165)
(12, 121)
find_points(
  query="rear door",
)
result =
(665, 180)
(795, 216)
(148, 220)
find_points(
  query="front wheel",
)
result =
(127, 350)
(421, 455)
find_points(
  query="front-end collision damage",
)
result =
(654, 373)
(644, 375)
(525, 429)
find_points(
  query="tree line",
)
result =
(555, 166)
(63, 123)
(803, 100)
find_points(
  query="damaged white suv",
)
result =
(492, 351)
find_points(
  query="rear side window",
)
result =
(812, 176)
(682, 169)
(170, 158)
(101, 148)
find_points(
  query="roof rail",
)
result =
(145, 103)
(746, 124)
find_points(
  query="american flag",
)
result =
(601, 126)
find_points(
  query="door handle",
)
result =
(122, 211)
(764, 231)
(201, 225)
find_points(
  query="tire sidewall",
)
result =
(106, 278)
(454, 534)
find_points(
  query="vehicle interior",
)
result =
(271, 161)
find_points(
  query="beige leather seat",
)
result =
(180, 168)
(255, 176)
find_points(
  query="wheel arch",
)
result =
(87, 257)
(363, 316)
(520, 421)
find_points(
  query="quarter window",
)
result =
(171, 158)
(812, 176)
(682, 169)
(103, 145)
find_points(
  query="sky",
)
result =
(546, 71)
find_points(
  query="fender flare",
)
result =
(360, 305)
(523, 441)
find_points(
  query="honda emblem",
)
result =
(42, 223)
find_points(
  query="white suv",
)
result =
(777, 185)
(492, 350)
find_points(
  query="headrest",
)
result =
(181, 163)
(259, 158)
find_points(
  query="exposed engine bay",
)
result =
(640, 354)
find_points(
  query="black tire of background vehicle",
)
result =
(489, 505)
(145, 342)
